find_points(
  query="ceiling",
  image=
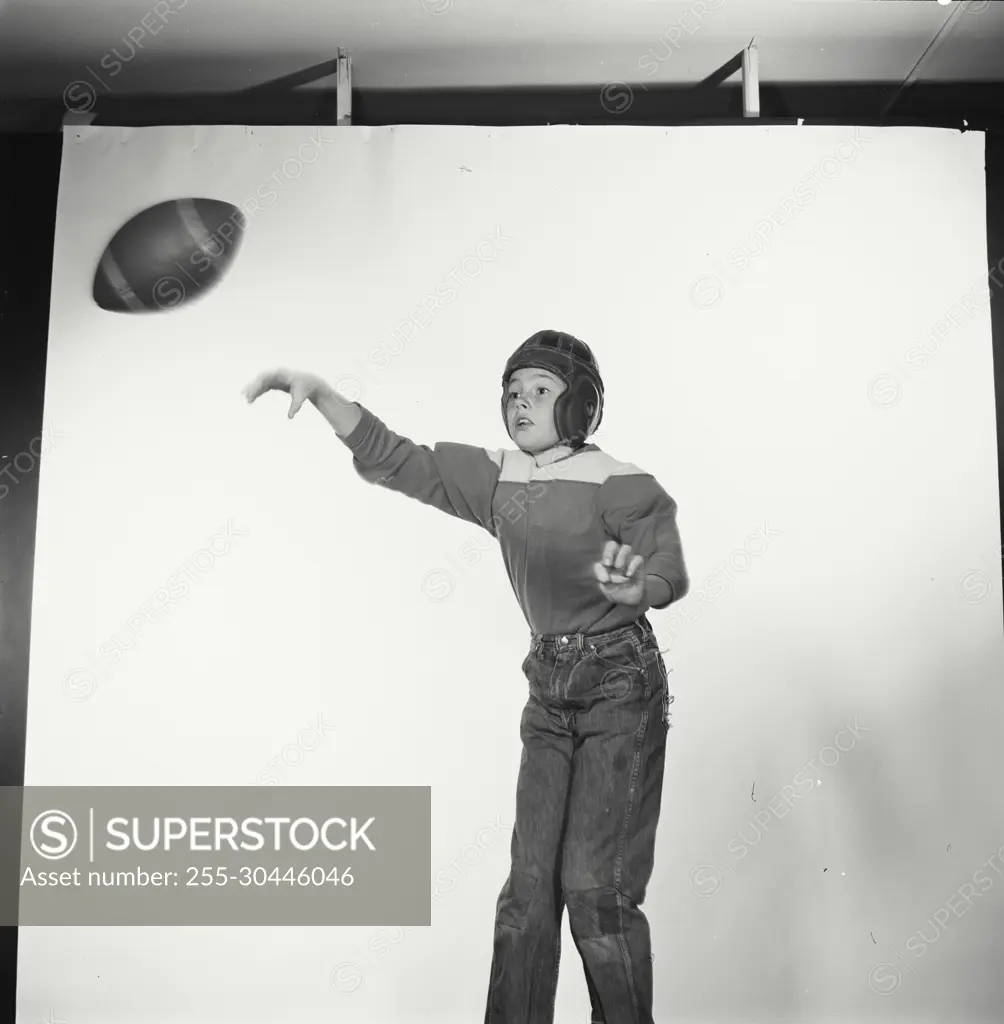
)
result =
(133, 47)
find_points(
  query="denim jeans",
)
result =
(587, 806)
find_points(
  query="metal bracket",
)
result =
(340, 96)
(343, 88)
(751, 82)
(748, 61)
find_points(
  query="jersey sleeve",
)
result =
(458, 479)
(637, 511)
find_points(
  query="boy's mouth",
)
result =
(522, 422)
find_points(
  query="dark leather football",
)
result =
(167, 255)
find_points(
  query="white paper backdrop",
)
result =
(793, 328)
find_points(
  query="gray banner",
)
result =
(234, 855)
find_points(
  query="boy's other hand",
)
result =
(299, 386)
(621, 578)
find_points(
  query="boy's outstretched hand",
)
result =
(299, 386)
(621, 581)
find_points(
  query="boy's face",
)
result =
(531, 395)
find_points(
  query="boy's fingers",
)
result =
(622, 555)
(267, 381)
(299, 395)
(257, 387)
(612, 579)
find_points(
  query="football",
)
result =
(168, 255)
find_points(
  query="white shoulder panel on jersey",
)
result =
(588, 467)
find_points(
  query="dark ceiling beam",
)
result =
(948, 104)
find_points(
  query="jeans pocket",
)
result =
(622, 670)
(622, 654)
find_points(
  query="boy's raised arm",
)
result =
(458, 479)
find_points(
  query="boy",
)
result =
(594, 727)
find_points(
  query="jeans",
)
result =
(587, 806)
